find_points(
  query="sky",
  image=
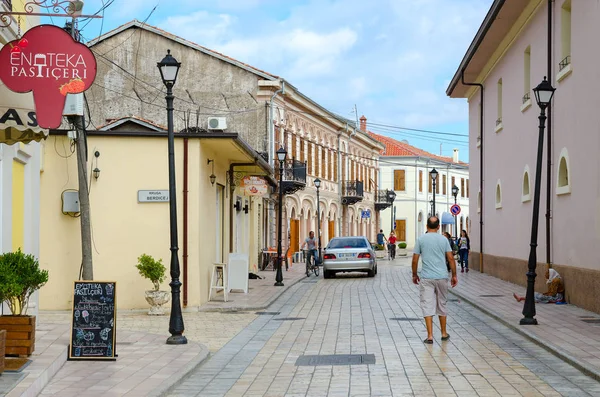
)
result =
(391, 59)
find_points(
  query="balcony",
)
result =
(7, 4)
(383, 200)
(294, 176)
(352, 192)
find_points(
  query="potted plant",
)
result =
(20, 277)
(154, 270)
(402, 249)
(380, 252)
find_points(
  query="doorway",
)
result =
(401, 229)
(220, 214)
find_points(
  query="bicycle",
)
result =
(314, 267)
(391, 251)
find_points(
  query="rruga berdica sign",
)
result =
(47, 61)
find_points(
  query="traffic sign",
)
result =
(455, 209)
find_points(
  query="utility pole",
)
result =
(87, 269)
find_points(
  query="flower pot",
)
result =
(2, 349)
(402, 252)
(380, 254)
(156, 299)
(20, 334)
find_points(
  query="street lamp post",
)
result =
(543, 95)
(455, 193)
(318, 185)
(169, 67)
(430, 207)
(281, 155)
(434, 175)
(392, 197)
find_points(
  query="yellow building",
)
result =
(130, 212)
(20, 162)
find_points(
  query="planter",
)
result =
(380, 254)
(20, 334)
(402, 252)
(2, 349)
(156, 299)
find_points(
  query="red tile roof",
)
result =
(394, 148)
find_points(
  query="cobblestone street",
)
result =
(356, 315)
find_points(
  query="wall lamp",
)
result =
(96, 170)
(212, 176)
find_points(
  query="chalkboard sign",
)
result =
(93, 319)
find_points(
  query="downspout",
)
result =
(462, 78)
(549, 155)
(272, 125)
(185, 221)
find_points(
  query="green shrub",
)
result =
(402, 245)
(151, 269)
(379, 247)
(20, 276)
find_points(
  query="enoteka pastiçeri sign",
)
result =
(50, 63)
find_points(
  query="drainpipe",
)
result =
(185, 221)
(549, 155)
(462, 77)
(272, 125)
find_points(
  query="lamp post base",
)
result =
(176, 340)
(528, 321)
(278, 284)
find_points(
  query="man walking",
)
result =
(435, 250)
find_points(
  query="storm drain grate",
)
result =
(591, 320)
(289, 318)
(405, 319)
(268, 313)
(336, 359)
(490, 296)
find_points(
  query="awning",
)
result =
(19, 125)
(447, 218)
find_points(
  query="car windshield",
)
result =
(355, 242)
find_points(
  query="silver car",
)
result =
(349, 254)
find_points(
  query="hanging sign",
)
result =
(49, 63)
(254, 186)
(366, 214)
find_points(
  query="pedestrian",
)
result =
(464, 247)
(381, 237)
(452, 245)
(434, 249)
(555, 293)
(392, 245)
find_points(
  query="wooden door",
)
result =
(294, 235)
(331, 229)
(401, 229)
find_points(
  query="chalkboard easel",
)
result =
(93, 321)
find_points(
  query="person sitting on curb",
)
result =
(555, 292)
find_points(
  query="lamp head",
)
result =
(212, 178)
(317, 183)
(433, 174)
(544, 93)
(455, 190)
(96, 172)
(169, 68)
(281, 154)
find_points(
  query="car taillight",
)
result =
(328, 256)
(364, 255)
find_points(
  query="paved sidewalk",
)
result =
(561, 329)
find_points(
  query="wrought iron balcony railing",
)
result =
(352, 192)
(383, 199)
(294, 176)
(564, 63)
(526, 97)
(499, 121)
(8, 4)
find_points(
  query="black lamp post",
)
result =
(169, 67)
(391, 196)
(281, 155)
(430, 207)
(318, 185)
(434, 175)
(455, 193)
(543, 95)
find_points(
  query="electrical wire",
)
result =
(134, 31)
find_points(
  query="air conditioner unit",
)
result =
(73, 105)
(217, 123)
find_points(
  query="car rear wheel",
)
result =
(327, 274)
(371, 273)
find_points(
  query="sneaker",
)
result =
(467, 270)
(462, 270)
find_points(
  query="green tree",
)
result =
(151, 269)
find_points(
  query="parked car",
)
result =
(349, 254)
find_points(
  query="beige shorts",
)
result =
(434, 294)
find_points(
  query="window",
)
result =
(444, 184)
(479, 202)
(526, 101)
(467, 188)
(302, 152)
(453, 181)
(437, 185)
(334, 160)
(324, 163)
(499, 111)
(430, 184)
(421, 181)
(399, 180)
(564, 66)
(462, 187)
(563, 184)
(525, 196)
(293, 154)
(311, 159)
(498, 195)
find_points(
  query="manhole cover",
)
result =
(405, 319)
(490, 296)
(268, 313)
(289, 318)
(336, 359)
(591, 320)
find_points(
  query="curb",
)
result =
(42, 380)
(168, 384)
(555, 350)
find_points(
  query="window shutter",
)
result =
(467, 188)
(421, 181)
(444, 185)
(430, 183)
(462, 187)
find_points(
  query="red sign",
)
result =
(50, 63)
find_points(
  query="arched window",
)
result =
(525, 196)
(498, 195)
(563, 180)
